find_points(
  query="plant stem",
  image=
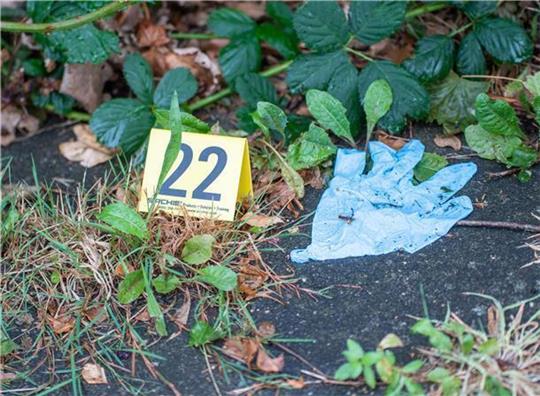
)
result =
(359, 54)
(430, 7)
(71, 115)
(109, 9)
(461, 29)
(196, 36)
(227, 91)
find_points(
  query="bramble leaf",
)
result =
(371, 21)
(280, 12)
(410, 99)
(253, 88)
(532, 83)
(477, 9)
(433, 58)
(241, 55)
(504, 39)
(180, 80)
(229, 22)
(321, 25)
(281, 39)
(270, 117)
(470, 59)
(452, 102)
(138, 74)
(310, 149)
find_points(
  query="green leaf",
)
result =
(125, 219)
(282, 40)
(452, 102)
(467, 344)
(410, 99)
(413, 366)
(344, 87)
(189, 122)
(497, 116)
(123, 123)
(477, 9)
(180, 80)
(291, 177)
(491, 146)
(470, 59)
(202, 333)
(489, 347)
(433, 58)
(330, 113)
(270, 117)
(369, 377)
(254, 88)
(536, 107)
(61, 103)
(219, 276)
(390, 340)
(138, 74)
(372, 357)
(6, 344)
(311, 149)
(423, 327)
(348, 371)
(532, 83)
(198, 249)
(504, 39)
(280, 12)
(244, 120)
(154, 310)
(371, 21)
(131, 287)
(34, 67)
(354, 351)
(242, 55)
(430, 164)
(377, 102)
(229, 22)
(440, 341)
(175, 140)
(438, 374)
(166, 283)
(321, 25)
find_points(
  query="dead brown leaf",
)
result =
(13, 120)
(86, 150)
(151, 35)
(259, 220)
(391, 141)
(98, 313)
(142, 316)
(181, 316)
(447, 141)
(85, 83)
(269, 365)
(254, 9)
(396, 50)
(296, 383)
(61, 324)
(241, 349)
(492, 321)
(313, 177)
(93, 374)
(266, 329)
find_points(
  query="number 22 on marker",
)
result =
(210, 174)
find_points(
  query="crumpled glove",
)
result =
(384, 211)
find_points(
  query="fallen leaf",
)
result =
(266, 329)
(142, 316)
(13, 120)
(447, 141)
(119, 270)
(151, 35)
(391, 141)
(181, 316)
(296, 383)
(269, 365)
(394, 49)
(241, 349)
(255, 220)
(93, 374)
(492, 321)
(98, 313)
(85, 83)
(390, 340)
(250, 278)
(61, 324)
(85, 150)
(313, 177)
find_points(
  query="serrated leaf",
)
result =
(504, 39)
(478, 9)
(34, 67)
(202, 333)
(219, 276)
(282, 40)
(242, 55)
(321, 25)
(311, 149)
(131, 287)
(270, 117)
(254, 88)
(198, 249)
(470, 59)
(430, 164)
(532, 83)
(314, 71)
(139, 76)
(175, 140)
(180, 80)
(344, 87)
(244, 119)
(433, 58)
(523, 157)
(491, 146)
(165, 283)
(410, 99)
(125, 219)
(371, 21)
(229, 22)
(497, 116)
(452, 102)
(296, 125)
(329, 113)
(280, 12)
(123, 123)
(377, 102)
(190, 123)
(348, 371)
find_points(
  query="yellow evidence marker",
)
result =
(210, 174)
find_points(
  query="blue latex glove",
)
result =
(383, 211)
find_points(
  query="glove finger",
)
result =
(383, 158)
(349, 163)
(446, 182)
(407, 158)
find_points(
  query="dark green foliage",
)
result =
(61, 104)
(229, 22)
(433, 58)
(139, 77)
(253, 88)
(242, 55)
(278, 38)
(470, 59)
(504, 39)
(371, 21)
(180, 80)
(477, 9)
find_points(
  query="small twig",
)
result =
(297, 356)
(500, 224)
(330, 381)
(210, 372)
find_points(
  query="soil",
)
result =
(366, 297)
